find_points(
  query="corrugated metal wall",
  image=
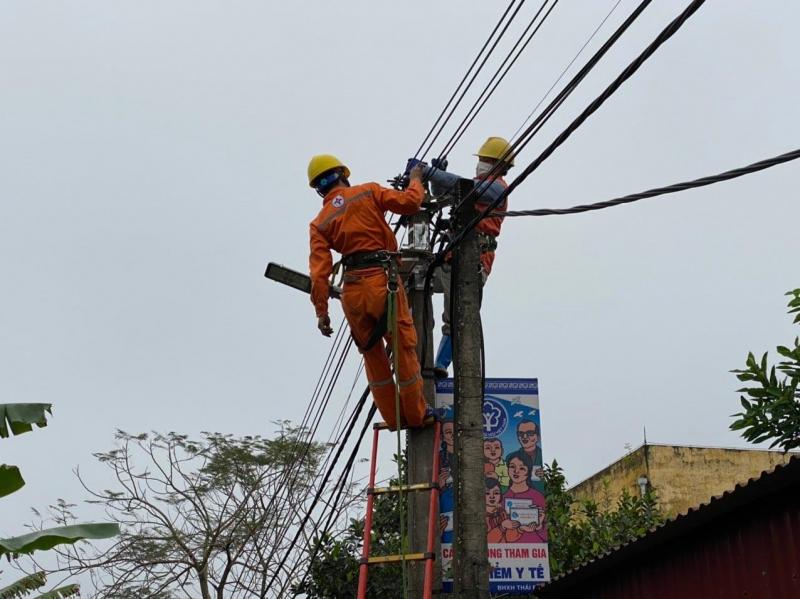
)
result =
(745, 544)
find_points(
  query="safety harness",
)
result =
(388, 261)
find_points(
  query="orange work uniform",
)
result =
(490, 225)
(352, 220)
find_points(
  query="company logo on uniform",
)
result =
(338, 202)
(495, 418)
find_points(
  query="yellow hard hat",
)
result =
(496, 147)
(322, 163)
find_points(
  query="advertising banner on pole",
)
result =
(516, 514)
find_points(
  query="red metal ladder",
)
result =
(433, 487)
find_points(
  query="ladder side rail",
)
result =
(364, 567)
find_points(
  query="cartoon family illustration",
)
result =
(515, 503)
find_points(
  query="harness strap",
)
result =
(386, 259)
(391, 297)
(378, 332)
(359, 260)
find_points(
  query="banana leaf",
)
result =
(43, 540)
(10, 480)
(18, 418)
(24, 586)
(71, 590)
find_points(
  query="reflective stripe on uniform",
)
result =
(382, 383)
(410, 381)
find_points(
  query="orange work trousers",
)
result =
(364, 303)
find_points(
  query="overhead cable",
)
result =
(336, 505)
(539, 122)
(471, 81)
(566, 68)
(469, 70)
(362, 400)
(634, 66)
(517, 145)
(629, 71)
(650, 193)
(303, 445)
(497, 78)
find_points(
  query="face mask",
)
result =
(483, 169)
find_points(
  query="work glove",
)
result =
(412, 162)
(324, 325)
(440, 163)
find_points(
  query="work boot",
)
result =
(432, 416)
(444, 355)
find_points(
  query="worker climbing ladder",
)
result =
(432, 487)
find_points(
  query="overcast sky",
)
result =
(153, 156)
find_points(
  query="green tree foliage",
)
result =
(16, 419)
(771, 401)
(578, 531)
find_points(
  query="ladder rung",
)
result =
(389, 559)
(382, 426)
(402, 488)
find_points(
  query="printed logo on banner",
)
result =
(516, 508)
(495, 418)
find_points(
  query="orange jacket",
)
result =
(352, 220)
(491, 224)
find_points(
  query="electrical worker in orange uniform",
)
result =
(494, 159)
(352, 222)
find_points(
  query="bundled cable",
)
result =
(498, 77)
(626, 74)
(674, 188)
(466, 75)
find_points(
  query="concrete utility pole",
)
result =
(420, 441)
(470, 556)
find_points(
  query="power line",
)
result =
(340, 422)
(318, 494)
(524, 139)
(341, 484)
(634, 66)
(555, 104)
(566, 68)
(484, 96)
(675, 187)
(469, 70)
(629, 71)
(471, 81)
(308, 428)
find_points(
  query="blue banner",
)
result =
(514, 490)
